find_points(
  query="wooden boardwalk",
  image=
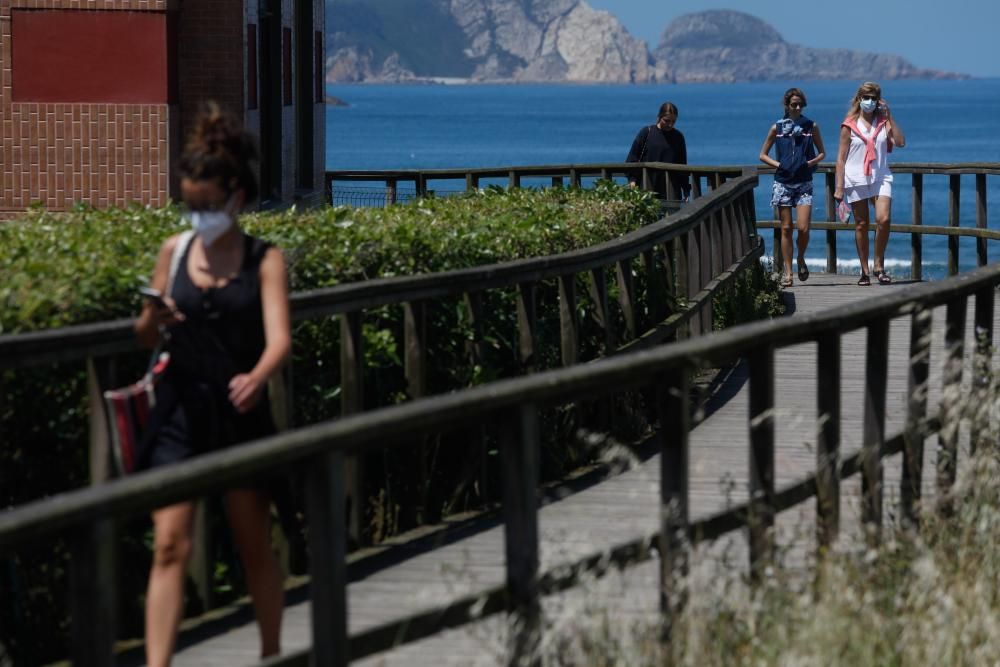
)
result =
(627, 505)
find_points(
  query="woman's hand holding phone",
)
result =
(165, 312)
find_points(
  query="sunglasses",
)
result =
(796, 105)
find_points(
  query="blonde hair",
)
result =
(867, 89)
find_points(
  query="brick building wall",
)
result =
(67, 139)
(61, 152)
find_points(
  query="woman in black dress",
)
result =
(226, 320)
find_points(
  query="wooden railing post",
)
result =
(656, 285)
(761, 506)
(415, 369)
(569, 325)
(602, 311)
(954, 192)
(693, 275)
(476, 351)
(513, 179)
(527, 327)
(873, 431)
(674, 405)
(982, 371)
(715, 224)
(101, 373)
(557, 181)
(626, 296)
(831, 215)
(917, 240)
(981, 219)
(420, 185)
(827, 442)
(325, 495)
(574, 178)
(705, 232)
(391, 191)
(471, 181)
(915, 430)
(519, 452)
(352, 357)
(94, 593)
(951, 399)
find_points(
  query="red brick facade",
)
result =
(109, 153)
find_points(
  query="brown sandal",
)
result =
(786, 280)
(883, 278)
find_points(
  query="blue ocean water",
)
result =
(439, 126)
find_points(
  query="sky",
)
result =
(953, 35)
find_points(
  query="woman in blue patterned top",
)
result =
(798, 148)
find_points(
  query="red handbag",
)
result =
(129, 409)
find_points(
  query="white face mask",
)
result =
(210, 225)
(868, 105)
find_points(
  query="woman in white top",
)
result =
(867, 136)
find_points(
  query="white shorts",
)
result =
(882, 188)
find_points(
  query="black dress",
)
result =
(221, 336)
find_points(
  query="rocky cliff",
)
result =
(726, 46)
(569, 41)
(502, 40)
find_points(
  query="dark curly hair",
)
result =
(220, 149)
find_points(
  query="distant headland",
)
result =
(567, 41)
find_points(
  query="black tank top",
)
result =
(222, 334)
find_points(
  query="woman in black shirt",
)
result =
(662, 142)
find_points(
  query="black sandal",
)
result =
(864, 280)
(803, 272)
(883, 278)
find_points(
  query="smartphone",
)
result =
(154, 295)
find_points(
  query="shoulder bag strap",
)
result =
(183, 241)
(642, 152)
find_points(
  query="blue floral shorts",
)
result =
(792, 194)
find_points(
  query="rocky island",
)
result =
(515, 41)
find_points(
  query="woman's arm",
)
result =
(820, 149)
(245, 388)
(845, 144)
(152, 319)
(766, 149)
(898, 138)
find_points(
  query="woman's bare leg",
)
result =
(803, 220)
(785, 216)
(861, 213)
(250, 518)
(165, 593)
(883, 214)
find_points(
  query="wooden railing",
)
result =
(687, 259)
(699, 249)
(916, 228)
(557, 175)
(511, 407)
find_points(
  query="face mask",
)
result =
(210, 225)
(868, 105)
